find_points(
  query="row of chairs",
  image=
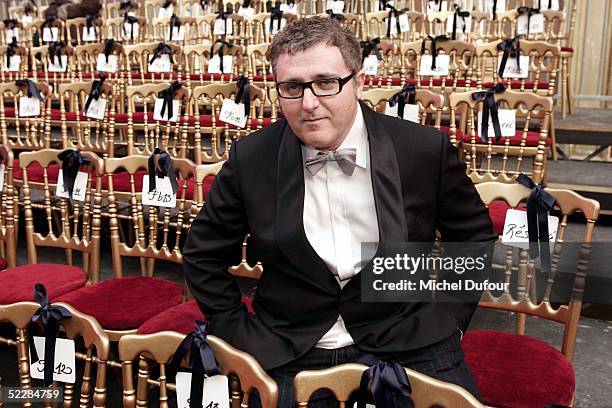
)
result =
(152, 235)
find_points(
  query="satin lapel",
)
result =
(290, 204)
(386, 180)
(387, 188)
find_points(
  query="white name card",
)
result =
(161, 196)
(516, 230)
(370, 65)
(55, 66)
(50, 34)
(159, 102)
(65, 367)
(178, 33)
(223, 27)
(275, 27)
(79, 188)
(336, 6)
(166, 12)
(90, 34)
(215, 393)
(10, 34)
(533, 25)
(432, 7)
(214, 65)
(29, 106)
(130, 31)
(96, 109)
(233, 113)
(26, 20)
(102, 65)
(13, 64)
(461, 22)
(512, 70)
(404, 24)
(488, 6)
(411, 112)
(246, 11)
(160, 64)
(507, 123)
(441, 69)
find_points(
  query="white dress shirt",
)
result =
(340, 214)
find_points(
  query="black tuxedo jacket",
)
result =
(419, 186)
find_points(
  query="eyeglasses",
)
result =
(319, 87)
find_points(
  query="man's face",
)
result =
(319, 122)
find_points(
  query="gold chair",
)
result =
(28, 133)
(55, 222)
(430, 104)
(162, 29)
(47, 31)
(12, 29)
(9, 211)
(197, 59)
(503, 160)
(80, 31)
(515, 365)
(129, 29)
(53, 67)
(461, 75)
(82, 131)
(15, 68)
(343, 380)
(207, 101)
(144, 132)
(260, 28)
(79, 326)
(350, 20)
(138, 63)
(246, 375)
(260, 68)
(118, 9)
(87, 62)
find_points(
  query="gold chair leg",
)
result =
(553, 137)
(142, 389)
(129, 394)
(564, 91)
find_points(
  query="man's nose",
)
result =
(309, 100)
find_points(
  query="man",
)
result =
(307, 213)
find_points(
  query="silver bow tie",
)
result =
(344, 157)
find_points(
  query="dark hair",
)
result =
(308, 32)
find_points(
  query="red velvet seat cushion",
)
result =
(516, 84)
(567, 49)
(459, 134)
(3, 264)
(214, 77)
(125, 303)
(532, 139)
(205, 120)
(35, 172)
(260, 78)
(497, 212)
(121, 182)
(181, 318)
(515, 371)
(18, 283)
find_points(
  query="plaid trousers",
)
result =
(443, 360)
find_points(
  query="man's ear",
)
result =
(359, 82)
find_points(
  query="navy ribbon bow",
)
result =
(167, 4)
(55, 51)
(108, 48)
(388, 383)
(160, 50)
(71, 163)
(223, 15)
(338, 17)
(168, 96)
(163, 169)
(407, 95)
(511, 48)
(370, 46)
(243, 95)
(48, 23)
(10, 50)
(393, 12)
(32, 88)
(276, 14)
(27, 8)
(130, 20)
(96, 90)
(539, 203)
(49, 316)
(246, 4)
(224, 44)
(490, 107)
(175, 21)
(494, 9)
(90, 20)
(201, 361)
(126, 5)
(10, 23)
(458, 13)
(530, 12)
(434, 47)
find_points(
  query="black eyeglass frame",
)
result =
(304, 85)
